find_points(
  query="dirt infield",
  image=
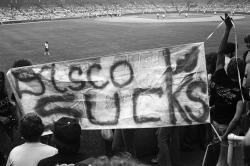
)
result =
(170, 18)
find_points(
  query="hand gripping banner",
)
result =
(144, 89)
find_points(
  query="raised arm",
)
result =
(220, 63)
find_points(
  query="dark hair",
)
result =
(232, 70)
(31, 127)
(211, 59)
(230, 48)
(22, 63)
(66, 148)
(247, 38)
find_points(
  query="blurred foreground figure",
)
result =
(116, 161)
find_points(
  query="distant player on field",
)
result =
(46, 45)
(180, 12)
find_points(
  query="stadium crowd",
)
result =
(14, 11)
(229, 83)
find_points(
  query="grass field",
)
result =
(84, 38)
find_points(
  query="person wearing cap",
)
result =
(32, 151)
(66, 134)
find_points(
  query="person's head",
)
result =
(21, 63)
(247, 41)
(230, 49)
(232, 70)
(211, 59)
(31, 127)
(46, 42)
(67, 135)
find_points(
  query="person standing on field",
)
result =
(46, 45)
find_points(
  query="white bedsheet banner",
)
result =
(144, 89)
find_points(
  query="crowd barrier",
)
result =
(232, 138)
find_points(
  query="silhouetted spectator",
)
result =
(67, 136)
(7, 119)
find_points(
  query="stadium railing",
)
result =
(232, 139)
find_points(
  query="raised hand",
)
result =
(228, 21)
